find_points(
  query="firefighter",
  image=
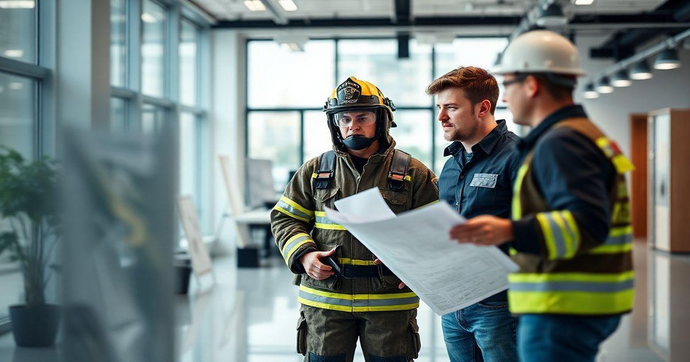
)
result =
(346, 295)
(570, 230)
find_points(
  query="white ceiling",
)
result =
(324, 9)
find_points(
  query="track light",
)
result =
(551, 16)
(590, 93)
(621, 79)
(604, 87)
(667, 59)
(641, 71)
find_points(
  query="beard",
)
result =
(461, 133)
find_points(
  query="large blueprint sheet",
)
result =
(416, 246)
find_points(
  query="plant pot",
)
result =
(35, 327)
(183, 271)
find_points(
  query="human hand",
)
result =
(483, 230)
(377, 261)
(313, 265)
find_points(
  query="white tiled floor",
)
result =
(251, 314)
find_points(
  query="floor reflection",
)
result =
(255, 312)
(250, 315)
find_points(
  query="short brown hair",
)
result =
(477, 83)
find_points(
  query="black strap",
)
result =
(364, 271)
(326, 171)
(396, 174)
(398, 171)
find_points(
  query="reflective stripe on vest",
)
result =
(323, 222)
(293, 244)
(571, 293)
(357, 302)
(293, 209)
(561, 235)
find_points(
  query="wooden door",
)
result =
(638, 178)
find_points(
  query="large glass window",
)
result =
(279, 77)
(317, 136)
(188, 51)
(402, 80)
(18, 114)
(288, 87)
(413, 134)
(275, 136)
(18, 132)
(188, 155)
(118, 115)
(153, 49)
(152, 118)
(18, 30)
(465, 52)
(118, 42)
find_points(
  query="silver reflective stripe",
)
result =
(562, 286)
(320, 299)
(380, 302)
(287, 207)
(324, 220)
(619, 240)
(289, 247)
(557, 235)
(358, 302)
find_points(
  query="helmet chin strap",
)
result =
(357, 142)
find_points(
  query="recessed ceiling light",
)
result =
(255, 5)
(288, 5)
(584, 2)
(13, 53)
(148, 18)
(17, 4)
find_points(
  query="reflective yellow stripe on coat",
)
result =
(357, 302)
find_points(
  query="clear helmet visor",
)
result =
(350, 117)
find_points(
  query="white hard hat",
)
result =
(541, 51)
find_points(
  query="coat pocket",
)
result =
(302, 334)
(415, 341)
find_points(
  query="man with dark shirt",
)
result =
(477, 179)
(570, 227)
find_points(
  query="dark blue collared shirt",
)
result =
(484, 184)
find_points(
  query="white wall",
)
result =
(227, 120)
(668, 88)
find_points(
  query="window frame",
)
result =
(431, 108)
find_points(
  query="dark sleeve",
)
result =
(573, 175)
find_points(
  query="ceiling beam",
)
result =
(402, 13)
(370, 22)
(275, 10)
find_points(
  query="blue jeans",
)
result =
(482, 331)
(562, 338)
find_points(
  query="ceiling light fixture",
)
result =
(13, 53)
(641, 71)
(17, 4)
(551, 16)
(288, 5)
(590, 93)
(621, 79)
(583, 2)
(255, 5)
(604, 86)
(667, 59)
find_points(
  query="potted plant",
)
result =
(29, 230)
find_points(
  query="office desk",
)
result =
(259, 220)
